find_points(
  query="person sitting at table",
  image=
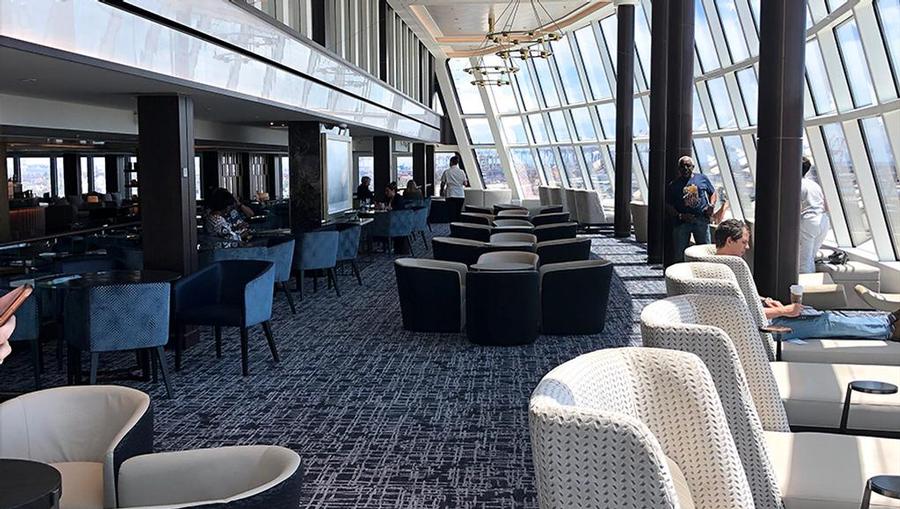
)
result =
(363, 193)
(392, 199)
(413, 195)
(237, 214)
(219, 230)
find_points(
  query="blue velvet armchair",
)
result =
(348, 247)
(112, 318)
(394, 224)
(28, 328)
(421, 221)
(280, 251)
(317, 251)
(232, 293)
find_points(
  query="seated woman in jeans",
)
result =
(733, 239)
(689, 199)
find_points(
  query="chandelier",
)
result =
(509, 42)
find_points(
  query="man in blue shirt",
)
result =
(689, 200)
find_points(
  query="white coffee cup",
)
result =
(797, 294)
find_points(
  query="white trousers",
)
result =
(812, 234)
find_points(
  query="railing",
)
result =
(18, 244)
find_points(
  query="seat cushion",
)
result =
(217, 314)
(843, 351)
(850, 271)
(826, 471)
(682, 490)
(813, 395)
(82, 484)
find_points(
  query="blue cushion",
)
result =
(281, 253)
(317, 250)
(118, 317)
(240, 290)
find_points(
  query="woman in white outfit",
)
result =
(814, 222)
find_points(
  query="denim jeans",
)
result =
(833, 325)
(682, 236)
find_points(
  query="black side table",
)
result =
(29, 485)
(777, 331)
(867, 387)
(885, 485)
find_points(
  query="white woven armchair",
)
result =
(603, 435)
(85, 432)
(855, 351)
(809, 470)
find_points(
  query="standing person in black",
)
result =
(690, 198)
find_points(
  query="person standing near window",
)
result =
(363, 193)
(453, 184)
(814, 222)
(689, 199)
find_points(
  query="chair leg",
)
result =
(412, 250)
(153, 369)
(95, 360)
(36, 360)
(300, 284)
(424, 241)
(245, 346)
(333, 276)
(290, 299)
(356, 271)
(160, 357)
(73, 358)
(267, 328)
(217, 331)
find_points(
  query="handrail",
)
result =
(87, 231)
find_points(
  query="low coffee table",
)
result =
(29, 485)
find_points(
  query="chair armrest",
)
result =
(258, 297)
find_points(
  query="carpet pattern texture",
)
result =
(382, 417)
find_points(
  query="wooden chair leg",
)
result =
(160, 357)
(95, 360)
(217, 331)
(245, 353)
(267, 328)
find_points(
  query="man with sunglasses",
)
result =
(690, 198)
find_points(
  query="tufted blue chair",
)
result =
(280, 251)
(348, 246)
(231, 293)
(209, 256)
(127, 257)
(394, 224)
(316, 251)
(114, 318)
(422, 223)
(28, 328)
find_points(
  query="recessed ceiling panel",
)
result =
(471, 19)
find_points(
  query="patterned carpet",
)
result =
(382, 417)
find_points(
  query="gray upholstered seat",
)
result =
(226, 477)
(85, 432)
(574, 296)
(524, 223)
(590, 211)
(500, 257)
(452, 249)
(480, 232)
(432, 294)
(513, 237)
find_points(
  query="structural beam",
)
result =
(418, 155)
(5, 172)
(382, 160)
(778, 159)
(166, 176)
(431, 187)
(679, 101)
(306, 170)
(624, 116)
(656, 173)
(72, 175)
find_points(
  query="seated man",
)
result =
(733, 238)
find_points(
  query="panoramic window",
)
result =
(749, 92)
(551, 166)
(698, 118)
(610, 31)
(490, 169)
(584, 126)
(100, 175)
(600, 172)
(35, 174)
(85, 174)
(607, 114)
(705, 157)
(573, 169)
(565, 63)
(538, 128)
(889, 18)
(642, 44)
(526, 171)
(740, 171)
(854, 59)
(286, 175)
(734, 32)
(718, 93)
(545, 81)
(526, 87)
(404, 170)
(817, 78)
(847, 185)
(639, 119)
(887, 178)
(515, 131)
(703, 39)
(469, 97)
(558, 123)
(590, 58)
(479, 131)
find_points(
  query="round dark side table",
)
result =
(29, 485)
(884, 485)
(866, 387)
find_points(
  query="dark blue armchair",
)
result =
(317, 251)
(348, 246)
(421, 221)
(112, 318)
(281, 252)
(28, 328)
(233, 293)
(394, 224)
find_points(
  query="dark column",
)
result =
(209, 172)
(72, 174)
(115, 174)
(431, 186)
(624, 116)
(5, 172)
(782, 42)
(166, 174)
(382, 152)
(656, 174)
(679, 99)
(382, 40)
(418, 155)
(245, 179)
(271, 176)
(306, 176)
(317, 14)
